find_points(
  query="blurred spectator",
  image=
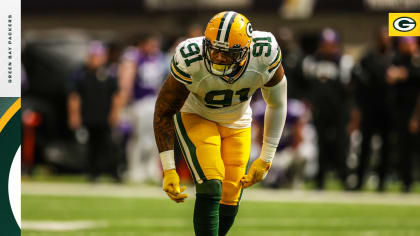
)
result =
(114, 56)
(373, 98)
(195, 30)
(122, 133)
(49, 59)
(142, 72)
(328, 73)
(143, 69)
(296, 153)
(404, 76)
(292, 63)
(93, 104)
(30, 122)
(414, 125)
(24, 80)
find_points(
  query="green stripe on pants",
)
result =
(189, 149)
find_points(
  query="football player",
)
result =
(204, 103)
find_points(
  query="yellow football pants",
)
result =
(213, 151)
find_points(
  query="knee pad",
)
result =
(231, 192)
(210, 188)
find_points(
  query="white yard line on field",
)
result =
(94, 190)
(62, 225)
(252, 194)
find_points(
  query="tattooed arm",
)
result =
(171, 98)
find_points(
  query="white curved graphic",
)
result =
(15, 187)
(404, 24)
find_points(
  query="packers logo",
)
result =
(249, 29)
(404, 24)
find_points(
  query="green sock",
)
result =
(227, 216)
(206, 215)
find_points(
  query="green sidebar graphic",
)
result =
(10, 132)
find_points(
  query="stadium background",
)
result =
(57, 197)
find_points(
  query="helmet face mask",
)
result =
(231, 58)
(226, 43)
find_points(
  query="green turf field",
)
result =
(147, 216)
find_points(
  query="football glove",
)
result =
(171, 186)
(257, 172)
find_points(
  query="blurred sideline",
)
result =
(253, 194)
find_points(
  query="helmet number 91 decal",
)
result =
(259, 44)
(192, 54)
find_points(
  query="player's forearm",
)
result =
(163, 125)
(164, 135)
(164, 131)
(168, 103)
(274, 119)
(163, 122)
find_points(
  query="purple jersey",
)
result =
(150, 73)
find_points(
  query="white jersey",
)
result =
(225, 100)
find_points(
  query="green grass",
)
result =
(141, 216)
(44, 174)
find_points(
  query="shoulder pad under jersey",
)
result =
(264, 47)
(186, 60)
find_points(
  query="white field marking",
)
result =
(62, 225)
(81, 225)
(93, 190)
(252, 194)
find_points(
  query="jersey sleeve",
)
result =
(179, 69)
(271, 60)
